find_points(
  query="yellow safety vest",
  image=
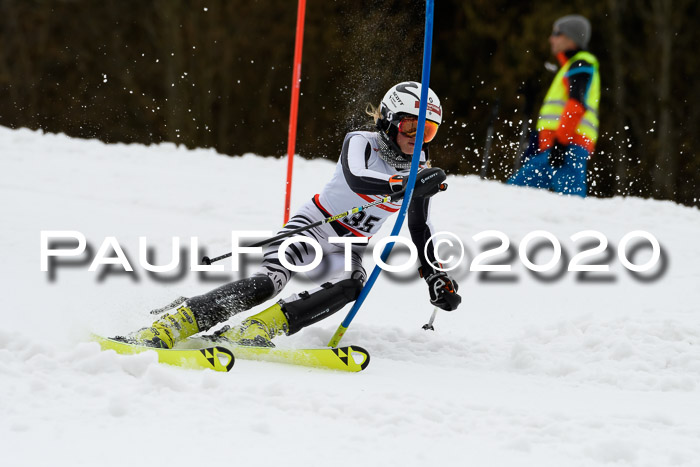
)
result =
(558, 94)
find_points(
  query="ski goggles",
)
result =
(408, 126)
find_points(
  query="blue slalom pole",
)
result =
(422, 111)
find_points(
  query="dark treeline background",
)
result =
(217, 73)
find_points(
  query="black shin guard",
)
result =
(311, 308)
(221, 303)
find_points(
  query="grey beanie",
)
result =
(575, 27)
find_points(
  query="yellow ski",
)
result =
(350, 358)
(212, 357)
(220, 355)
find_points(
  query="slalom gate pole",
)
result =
(294, 107)
(394, 197)
(422, 111)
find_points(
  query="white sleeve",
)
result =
(354, 159)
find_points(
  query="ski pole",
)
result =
(394, 197)
(429, 325)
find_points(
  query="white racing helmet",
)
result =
(401, 101)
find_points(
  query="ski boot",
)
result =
(166, 331)
(290, 316)
(259, 329)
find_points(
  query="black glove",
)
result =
(443, 290)
(556, 154)
(428, 182)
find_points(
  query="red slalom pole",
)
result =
(294, 107)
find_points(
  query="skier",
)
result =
(568, 122)
(372, 164)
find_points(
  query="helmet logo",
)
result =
(431, 108)
(435, 109)
(404, 87)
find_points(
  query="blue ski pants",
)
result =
(568, 179)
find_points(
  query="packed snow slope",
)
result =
(555, 368)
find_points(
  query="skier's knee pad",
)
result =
(313, 307)
(223, 302)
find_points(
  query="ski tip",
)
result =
(215, 358)
(220, 358)
(354, 356)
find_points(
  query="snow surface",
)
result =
(548, 370)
